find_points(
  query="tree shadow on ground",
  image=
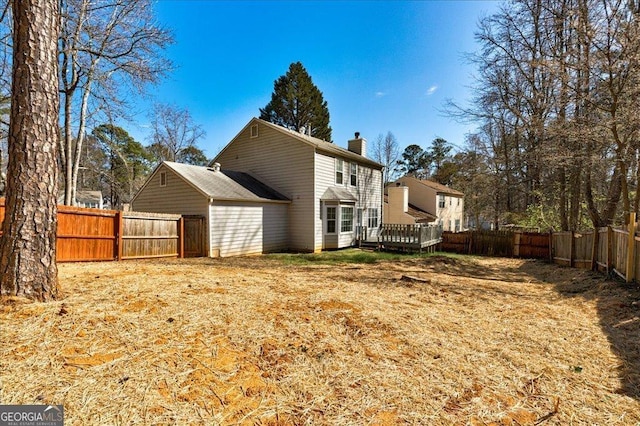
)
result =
(617, 303)
(618, 306)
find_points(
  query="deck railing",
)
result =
(409, 237)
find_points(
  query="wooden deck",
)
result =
(409, 238)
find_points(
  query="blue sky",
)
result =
(381, 65)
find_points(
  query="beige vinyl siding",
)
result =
(236, 229)
(325, 177)
(367, 192)
(275, 226)
(176, 197)
(421, 196)
(370, 192)
(285, 165)
(247, 228)
(452, 211)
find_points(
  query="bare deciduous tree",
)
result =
(386, 152)
(175, 134)
(557, 100)
(104, 46)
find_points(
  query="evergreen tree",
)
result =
(297, 104)
(438, 155)
(128, 162)
(414, 162)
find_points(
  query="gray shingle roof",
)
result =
(225, 184)
(441, 188)
(337, 193)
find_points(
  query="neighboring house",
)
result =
(242, 216)
(87, 199)
(333, 190)
(398, 210)
(412, 200)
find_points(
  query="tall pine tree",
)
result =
(297, 104)
(28, 243)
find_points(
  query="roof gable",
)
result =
(320, 145)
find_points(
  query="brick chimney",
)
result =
(358, 145)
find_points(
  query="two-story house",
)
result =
(332, 190)
(411, 200)
(273, 189)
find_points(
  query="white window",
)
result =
(441, 201)
(254, 131)
(163, 178)
(372, 218)
(331, 220)
(346, 219)
(353, 173)
(339, 171)
(457, 228)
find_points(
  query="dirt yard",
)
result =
(468, 341)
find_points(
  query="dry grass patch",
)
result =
(256, 341)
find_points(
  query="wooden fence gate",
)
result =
(194, 236)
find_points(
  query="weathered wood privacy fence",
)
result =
(532, 245)
(615, 251)
(96, 235)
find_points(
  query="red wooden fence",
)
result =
(96, 235)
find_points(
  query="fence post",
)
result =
(551, 246)
(119, 226)
(181, 237)
(572, 249)
(630, 248)
(609, 248)
(594, 249)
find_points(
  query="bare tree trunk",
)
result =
(28, 245)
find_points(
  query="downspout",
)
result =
(208, 239)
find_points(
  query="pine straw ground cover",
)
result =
(472, 341)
